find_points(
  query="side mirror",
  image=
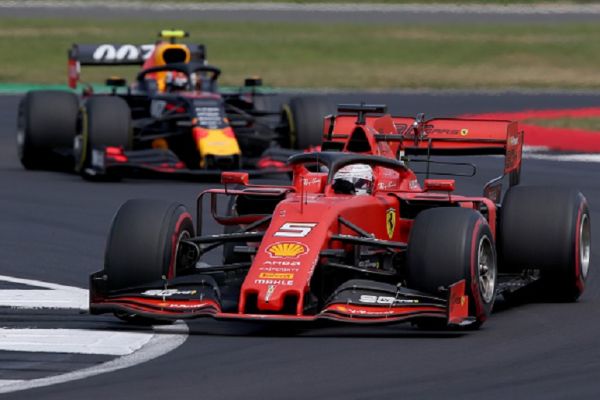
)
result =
(253, 81)
(115, 81)
(232, 178)
(439, 185)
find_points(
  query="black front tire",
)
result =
(143, 243)
(105, 121)
(46, 124)
(549, 229)
(447, 245)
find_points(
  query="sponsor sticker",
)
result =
(286, 249)
(390, 221)
(386, 185)
(168, 292)
(269, 293)
(280, 282)
(295, 229)
(386, 300)
(275, 275)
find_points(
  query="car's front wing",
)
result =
(188, 299)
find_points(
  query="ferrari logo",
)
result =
(464, 132)
(390, 221)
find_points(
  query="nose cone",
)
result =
(216, 142)
(279, 277)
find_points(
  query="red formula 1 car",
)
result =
(356, 237)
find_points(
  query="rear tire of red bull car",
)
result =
(46, 127)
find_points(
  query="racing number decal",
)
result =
(109, 52)
(295, 229)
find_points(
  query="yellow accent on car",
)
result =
(286, 249)
(217, 143)
(166, 53)
(173, 34)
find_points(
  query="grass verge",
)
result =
(335, 55)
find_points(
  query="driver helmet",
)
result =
(360, 176)
(175, 81)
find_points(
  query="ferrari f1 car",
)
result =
(172, 120)
(356, 237)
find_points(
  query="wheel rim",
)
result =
(584, 245)
(486, 269)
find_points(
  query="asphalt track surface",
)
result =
(53, 228)
(293, 12)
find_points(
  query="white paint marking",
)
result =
(133, 347)
(160, 344)
(5, 382)
(593, 158)
(33, 299)
(79, 341)
(59, 296)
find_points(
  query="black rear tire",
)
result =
(304, 116)
(106, 121)
(447, 245)
(46, 124)
(143, 243)
(549, 229)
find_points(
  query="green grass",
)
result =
(375, 56)
(587, 123)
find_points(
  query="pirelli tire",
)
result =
(105, 121)
(304, 116)
(547, 229)
(143, 243)
(449, 244)
(144, 246)
(46, 127)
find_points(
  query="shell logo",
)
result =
(287, 249)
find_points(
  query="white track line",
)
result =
(589, 158)
(521, 9)
(5, 382)
(158, 345)
(133, 348)
(60, 296)
(77, 341)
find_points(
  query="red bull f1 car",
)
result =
(356, 237)
(172, 120)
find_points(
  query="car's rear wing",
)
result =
(439, 136)
(356, 131)
(454, 136)
(110, 54)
